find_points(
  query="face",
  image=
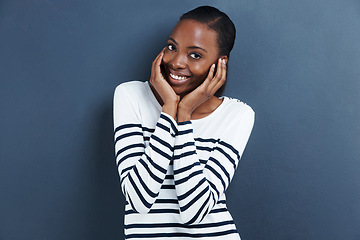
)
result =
(191, 50)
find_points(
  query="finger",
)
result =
(217, 76)
(221, 77)
(210, 74)
(160, 58)
(158, 65)
(219, 70)
(160, 55)
(156, 60)
(222, 80)
(155, 70)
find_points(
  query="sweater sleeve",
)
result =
(142, 169)
(199, 187)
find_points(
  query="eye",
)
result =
(170, 47)
(195, 55)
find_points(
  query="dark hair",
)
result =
(221, 24)
(217, 21)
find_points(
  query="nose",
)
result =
(178, 61)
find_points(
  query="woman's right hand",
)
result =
(168, 96)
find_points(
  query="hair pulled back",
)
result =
(217, 21)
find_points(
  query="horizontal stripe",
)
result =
(142, 199)
(177, 147)
(162, 142)
(169, 201)
(198, 196)
(153, 211)
(163, 116)
(203, 161)
(184, 154)
(206, 140)
(178, 225)
(199, 211)
(177, 171)
(126, 169)
(208, 149)
(151, 130)
(148, 191)
(141, 145)
(155, 165)
(221, 167)
(159, 151)
(162, 126)
(217, 175)
(184, 132)
(152, 175)
(126, 135)
(124, 126)
(167, 186)
(218, 210)
(135, 154)
(231, 148)
(179, 234)
(227, 156)
(185, 195)
(184, 123)
(185, 179)
(214, 188)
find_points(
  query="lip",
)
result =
(174, 81)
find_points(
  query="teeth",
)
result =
(177, 77)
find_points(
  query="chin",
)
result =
(179, 90)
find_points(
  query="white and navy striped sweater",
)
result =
(174, 175)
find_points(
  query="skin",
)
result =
(191, 54)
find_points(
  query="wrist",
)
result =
(183, 115)
(170, 108)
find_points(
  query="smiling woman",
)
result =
(191, 50)
(177, 144)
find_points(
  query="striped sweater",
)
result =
(174, 175)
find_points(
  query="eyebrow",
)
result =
(191, 47)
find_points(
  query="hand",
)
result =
(203, 92)
(169, 98)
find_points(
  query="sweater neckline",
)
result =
(158, 106)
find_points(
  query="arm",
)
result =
(141, 169)
(199, 188)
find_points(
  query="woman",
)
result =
(177, 144)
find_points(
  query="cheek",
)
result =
(201, 70)
(166, 58)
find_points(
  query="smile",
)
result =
(178, 77)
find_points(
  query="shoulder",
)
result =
(238, 122)
(237, 107)
(129, 94)
(236, 116)
(131, 88)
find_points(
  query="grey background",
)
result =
(297, 63)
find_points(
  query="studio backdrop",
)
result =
(296, 63)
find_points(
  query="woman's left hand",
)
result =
(203, 92)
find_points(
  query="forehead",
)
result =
(192, 33)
